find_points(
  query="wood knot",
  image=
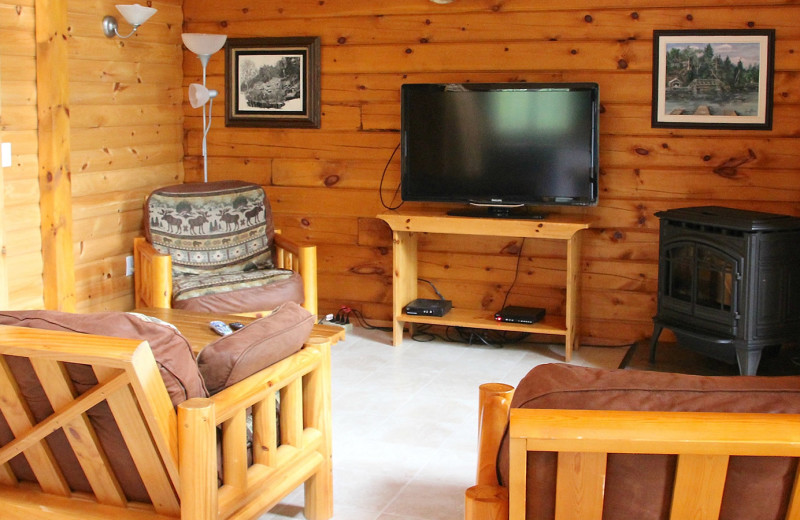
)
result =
(341, 40)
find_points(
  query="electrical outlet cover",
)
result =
(128, 266)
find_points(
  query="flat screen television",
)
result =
(504, 147)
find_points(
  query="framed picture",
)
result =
(272, 82)
(713, 79)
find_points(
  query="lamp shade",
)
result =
(203, 44)
(136, 14)
(199, 95)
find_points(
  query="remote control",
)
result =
(220, 327)
(236, 325)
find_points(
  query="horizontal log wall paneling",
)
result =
(22, 247)
(127, 139)
(324, 183)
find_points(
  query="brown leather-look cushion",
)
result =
(255, 347)
(639, 487)
(263, 297)
(172, 351)
(176, 364)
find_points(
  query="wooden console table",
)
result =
(405, 229)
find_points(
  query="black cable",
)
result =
(516, 273)
(383, 176)
(432, 287)
(365, 324)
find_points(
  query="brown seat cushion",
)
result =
(232, 293)
(638, 487)
(255, 347)
(175, 361)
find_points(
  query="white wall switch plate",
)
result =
(128, 266)
(5, 153)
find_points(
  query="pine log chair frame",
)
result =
(153, 270)
(582, 439)
(175, 452)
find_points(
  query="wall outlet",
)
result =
(5, 155)
(128, 266)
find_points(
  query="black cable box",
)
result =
(516, 314)
(426, 307)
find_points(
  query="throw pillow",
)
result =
(258, 345)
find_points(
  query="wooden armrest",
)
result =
(152, 276)
(494, 402)
(303, 260)
(303, 381)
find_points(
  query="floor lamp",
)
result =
(204, 45)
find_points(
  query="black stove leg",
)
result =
(657, 328)
(748, 360)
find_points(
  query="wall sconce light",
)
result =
(204, 45)
(442, 1)
(134, 14)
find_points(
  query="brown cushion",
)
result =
(638, 487)
(255, 347)
(172, 351)
(176, 364)
(230, 298)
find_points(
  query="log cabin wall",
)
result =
(18, 124)
(323, 183)
(126, 135)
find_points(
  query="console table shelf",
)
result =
(405, 230)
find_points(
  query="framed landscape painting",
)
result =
(272, 82)
(713, 79)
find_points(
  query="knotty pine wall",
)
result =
(126, 139)
(127, 130)
(18, 125)
(324, 183)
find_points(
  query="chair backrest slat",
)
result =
(580, 484)
(90, 383)
(699, 483)
(20, 420)
(80, 433)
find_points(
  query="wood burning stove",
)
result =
(728, 282)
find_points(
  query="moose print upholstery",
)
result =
(220, 237)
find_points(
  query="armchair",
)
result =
(97, 427)
(582, 443)
(212, 247)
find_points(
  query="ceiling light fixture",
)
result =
(134, 14)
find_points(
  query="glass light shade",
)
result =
(136, 14)
(199, 95)
(203, 44)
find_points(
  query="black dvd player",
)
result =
(426, 307)
(517, 314)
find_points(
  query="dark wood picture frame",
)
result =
(272, 82)
(719, 79)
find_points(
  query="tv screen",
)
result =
(500, 144)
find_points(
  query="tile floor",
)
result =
(405, 422)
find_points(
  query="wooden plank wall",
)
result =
(126, 139)
(127, 134)
(324, 183)
(18, 122)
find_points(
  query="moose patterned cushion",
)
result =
(219, 235)
(223, 226)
